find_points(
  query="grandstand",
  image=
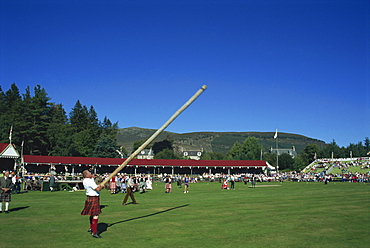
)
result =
(337, 166)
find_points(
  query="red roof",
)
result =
(3, 146)
(31, 159)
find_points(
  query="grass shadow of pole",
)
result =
(18, 209)
(102, 227)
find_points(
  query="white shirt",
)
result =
(90, 186)
(130, 182)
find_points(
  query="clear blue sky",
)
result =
(297, 66)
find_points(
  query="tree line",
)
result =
(250, 149)
(41, 127)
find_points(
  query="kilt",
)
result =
(113, 185)
(5, 197)
(92, 206)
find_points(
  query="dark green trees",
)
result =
(44, 128)
(164, 150)
(106, 146)
(249, 150)
(28, 116)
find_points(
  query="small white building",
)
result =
(8, 157)
(146, 154)
(292, 152)
(192, 154)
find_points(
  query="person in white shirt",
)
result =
(130, 193)
(92, 203)
(232, 182)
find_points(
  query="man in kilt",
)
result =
(5, 191)
(92, 203)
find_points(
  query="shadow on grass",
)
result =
(21, 192)
(17, 209)
(102, 227)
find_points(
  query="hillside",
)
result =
(220, 142)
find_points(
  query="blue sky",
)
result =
(297, 66)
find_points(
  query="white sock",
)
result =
(6, 206)
(1, 206)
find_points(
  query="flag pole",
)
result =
(160, 130)
(10, 134)
(277, 153)
(277, 156)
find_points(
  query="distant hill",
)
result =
(219, 142)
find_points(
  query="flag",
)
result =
(10, 134)
(275, 136)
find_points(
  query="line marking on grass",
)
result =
(260, 186)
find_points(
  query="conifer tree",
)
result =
(106, 146)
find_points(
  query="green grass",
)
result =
(351, 169)
(290, 215)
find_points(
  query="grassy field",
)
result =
(288, 215)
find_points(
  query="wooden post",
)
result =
(160, 130)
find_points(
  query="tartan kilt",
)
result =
(92, 206)
(5, 197)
